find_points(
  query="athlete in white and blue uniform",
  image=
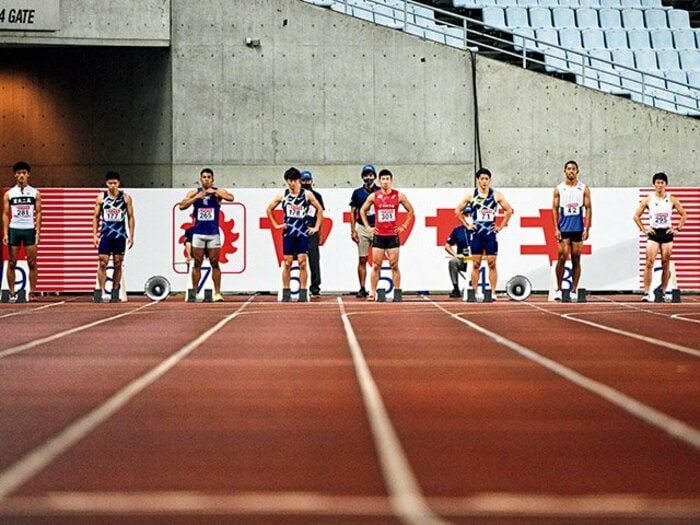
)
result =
(114, 212)
(295, 203)
(206, 200)
(484, 202)
(572, 212)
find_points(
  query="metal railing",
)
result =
(468, 33)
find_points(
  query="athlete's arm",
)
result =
(96, 219)
(224, 194)
(411, 213)
(5, 218)
(131, 218)
(188, 201)
(363, 212)
(319, 211)
(271, 216)
(679, 208)
(589, 212)
(500, 199)
(555, 213)
(460, 209)
(37, 216)
(643, 205)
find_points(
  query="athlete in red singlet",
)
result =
(386, 233)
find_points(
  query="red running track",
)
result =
(346, 412)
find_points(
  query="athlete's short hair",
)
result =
(292, 174)
(386, 172)
(207, 170)
(21, 166)
(483, 171)
(112, 175)
(659, 176)
(571, 162)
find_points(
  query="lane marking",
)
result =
(36, 460)
(191, 503)
(21, 312)
(632, 335)
(59, 335)
(405, 496)
(672, 426)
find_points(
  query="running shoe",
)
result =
(13, 298)
(647, 298)
(218, 298)
(370, 297)
(361, 294)
(455, 293)
(557, 295)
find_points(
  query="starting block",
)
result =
(109, 295)
(484, 291)
(205, 289)
(673, 294)
(565, 292)
(294, 293)
(21, 282)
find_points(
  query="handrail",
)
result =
(465, 33)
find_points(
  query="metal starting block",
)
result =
(581, 297)
(675, 295)
(381, 295)
(566, 296)
(398, 295)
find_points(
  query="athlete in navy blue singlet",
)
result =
(295, 202)
(206, 200)
(114, 212)
(484, 202)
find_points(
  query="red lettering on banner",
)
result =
(401, 219)
(265, 224)
(444, 221)
(550, 248)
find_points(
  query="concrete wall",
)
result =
(103, 22)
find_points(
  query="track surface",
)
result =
(432, 411)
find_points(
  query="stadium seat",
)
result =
(632, 19)
(678, 19)
(684, 39)
(623, 57)
(587, 18)
(568, 3)
(610, 18)
(540, 17)
(570, 39)
(493, 17)
(506, 3)
(563, 17)
(517, 17)
(547, 36)
(668, 59)
(610, 81)
(548, 3)
(589, 3)
(639, 39)
(631, 3)
(690, 59)
(661, 39)
(589, 80)
(593, 38)
(694, 80)
(519, 42)
(655, 19)
(651, 3)
(576, 61)
(600, 59)
(645, 59)
(616, 39)
(554, 60)
(610, 3)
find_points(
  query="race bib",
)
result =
(387, 215)
(112, 215)
(205, 214)
(572, 209)
(296, 211)
(485, 215)
(22, 210)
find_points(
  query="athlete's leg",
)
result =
(117, 260)
(287, 270)
(393, 255)
(102, 271)
(493, 272)
(377, 256)
(562, 252)
(476, 265)
(666, 249)
(303, 270)
(198, 257)
(652, 251)
(362, 271)
(12, 267)
(575, 264)
(213, 255)
(31, 264)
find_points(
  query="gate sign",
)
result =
(30, 15)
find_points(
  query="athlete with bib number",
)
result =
(206, 200)
(386, 203)
(114, 209)
(484, 202)
(660, 231)
(21, 225)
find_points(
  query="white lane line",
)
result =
(672, 426)
(59, 335)
(681, 317)
(185, 503)
(406, 498)
(31, 310)
(18, 473)
(632, 335)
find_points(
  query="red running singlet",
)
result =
(386, 208)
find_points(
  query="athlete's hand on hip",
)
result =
(5, 240)
(131, 242)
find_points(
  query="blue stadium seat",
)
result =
(555, 60)
(623, 57)
(570, 39)
(668, 59)
(547, 36)
(589, 3)
(638, 39)
(587, 18)
(506, 3)
(610, 3)
(632, 19)
(519, 42)
(600, 59)
(645, 59)
(563, 17)
(694, 79)
(493, 17)
(684, 39)
(616, 38)
(548, 3)
(540, 17)
(631, 3)
(661, 39)
(678, 19)
(690, 59)
(593, 38)
(589, 80)
(655, 19)
(517, 17)
(610, 18)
